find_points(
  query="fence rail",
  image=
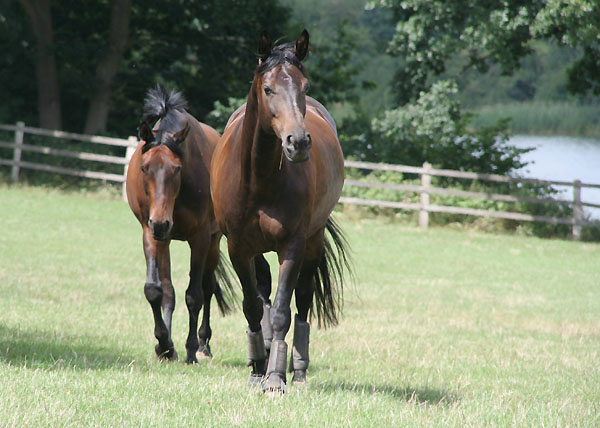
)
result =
(424, 190)
(18, 146)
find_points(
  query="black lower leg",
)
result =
(205, 332)
(256, 357)
(154, 294)
(193, 300)
(299, 359)
(276, 379)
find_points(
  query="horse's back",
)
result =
(328, 159)
(319, 110)
(312, 106)
(134, 187)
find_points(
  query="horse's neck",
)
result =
(261, 149)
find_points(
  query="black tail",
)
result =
(329, 276)
(225, 294)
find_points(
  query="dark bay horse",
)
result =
(168, 190)
(276, 176)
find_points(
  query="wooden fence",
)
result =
(425, 189)
(19, 147)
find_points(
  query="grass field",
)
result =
(443, 328)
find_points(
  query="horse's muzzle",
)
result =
(160, 230)
(297, 149)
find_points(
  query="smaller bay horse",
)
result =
(276, 176)
(168, 190)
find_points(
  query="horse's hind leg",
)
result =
(304, 293)
(209, 283)
(194, 296)
(159, 292)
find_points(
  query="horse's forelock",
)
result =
(281, 54)
(160, 103)
(170, 107)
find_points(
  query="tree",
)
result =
(108, 65)
(107, 53)
(430, 33)
(40, 18)
(434, 129)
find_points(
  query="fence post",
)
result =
(128, 154)
(16, 168)
(425, 185)
(577, 210)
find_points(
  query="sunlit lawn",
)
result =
(442, 328)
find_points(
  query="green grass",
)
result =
(442, 328)
(544, 118)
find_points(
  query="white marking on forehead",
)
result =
(291, 94)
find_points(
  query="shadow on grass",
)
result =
(433, 397)
(233, 363)
(41, 349)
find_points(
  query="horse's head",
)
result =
(161, 171)
(281, 92)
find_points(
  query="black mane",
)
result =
(280, 55)
(167, 106)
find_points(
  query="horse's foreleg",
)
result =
(263, 284)
(290, 263)
(159, 293)
(253, 310)
(194, 296)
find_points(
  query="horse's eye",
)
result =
(177, 169)
(143, 168)
(268, 91)
(306, 88)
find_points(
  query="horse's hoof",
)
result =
(274, 385)
(166, 355)
(203, 352)
(299, 377)
(191, 359)
(255, 380)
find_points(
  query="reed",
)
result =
(570, 119)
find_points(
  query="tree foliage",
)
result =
(205, 48)
(431, 33)
(433, 129)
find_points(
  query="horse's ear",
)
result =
(264, 45)
(145, 133)
(302, 45)
(180, 135)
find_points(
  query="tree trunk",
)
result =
(48, 87)
(108, 66)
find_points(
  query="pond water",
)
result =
(564, 159)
